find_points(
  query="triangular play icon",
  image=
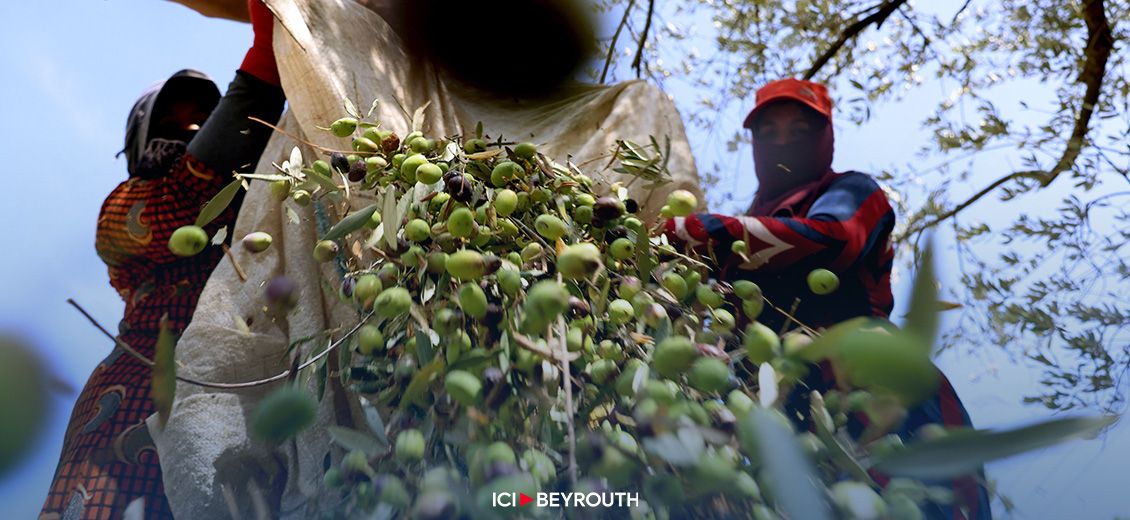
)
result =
(524, 499)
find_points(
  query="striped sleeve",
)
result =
(844, 224)
(140, 215)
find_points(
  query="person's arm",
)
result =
(229, 141)
(843, 225)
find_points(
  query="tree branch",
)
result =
(1100, 45)
(969, 201)
(207, 384)
(643, 37)
(927, 42)
(885, 10)
(960, 10)
(615, 38)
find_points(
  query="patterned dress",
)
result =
(109, 459)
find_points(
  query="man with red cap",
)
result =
(183, 141)
(805, 216)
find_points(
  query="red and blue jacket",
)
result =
(841, 222)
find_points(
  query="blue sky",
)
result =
(72, 73)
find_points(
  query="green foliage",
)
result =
(1039, 86)
(219, 203)
(163, 385)
(477, 368)
(24, 401)
(961, 452)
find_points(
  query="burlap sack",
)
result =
(330, 50)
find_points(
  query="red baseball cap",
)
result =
(811, 94)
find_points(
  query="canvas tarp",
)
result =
(330, 50)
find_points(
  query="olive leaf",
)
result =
(963, 452)
(768, 390)
(681, 449)
(476, 359)
(479, 156)
(351, 109)
(351, 223)
(890, 363)
(351, 439)
(635, 160)
(373, 419)
(327, 184)
(450, 152)
(402, 207)
(825, 344)
(218, 204)
(793, 486)
(643, 256)
(322, 372)
(418, 386)
(344, 360)
(294, 165)
(241, 326)
(418, 117)
(269, 177)
(163, 386)
(220, 236)
(391, 224)
(424, 351)
(825, 430)
(922, 319)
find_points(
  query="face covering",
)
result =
(783, 168)
(185, 84)
(159, 157)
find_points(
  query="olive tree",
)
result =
(1044, 285)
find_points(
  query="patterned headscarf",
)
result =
(185, 84)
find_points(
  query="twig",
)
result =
(129, 350)
(790, 314)
(929, 44)
(877, 18)
(615, 38)
(301, 140)
(238, 269)
(525, 343)
(960, 10)
(643, 38)
(566, 379)
(969, 201)
(533, 235)
(248, 384)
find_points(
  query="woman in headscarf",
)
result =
(183, 141)
(805, 216)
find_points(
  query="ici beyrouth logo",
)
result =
(566, 500)
(510, 499)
